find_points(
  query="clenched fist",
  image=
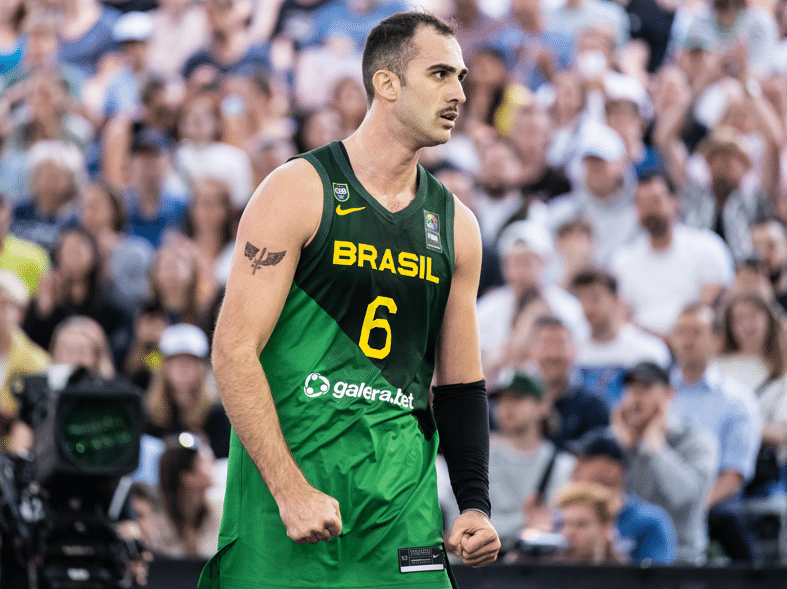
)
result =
(310, 516)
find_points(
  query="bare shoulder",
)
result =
(290, 199)
(467, 236)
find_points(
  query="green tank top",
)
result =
(350, 363)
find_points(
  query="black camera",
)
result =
(59, 505)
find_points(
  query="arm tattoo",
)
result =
(272, 258)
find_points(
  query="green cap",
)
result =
(518, 384)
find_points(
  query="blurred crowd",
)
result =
(626, 162)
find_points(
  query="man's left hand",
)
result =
(474, 539)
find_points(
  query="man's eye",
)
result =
(440, 75)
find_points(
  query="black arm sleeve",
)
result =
(461, 412)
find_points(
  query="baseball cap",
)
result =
(527, 233)
(183, 338)
(598, 442)
(646, 373)
(517, 384)
(602, 141)
(698, 37)
(133, 26)
(619, 87)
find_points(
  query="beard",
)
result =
(655, 225)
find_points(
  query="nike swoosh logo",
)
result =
(340, 211)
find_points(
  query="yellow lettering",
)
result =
(367, 253)
(422, 268)
(387, 262)
(343, 253)
(408, 264)
(429, 276)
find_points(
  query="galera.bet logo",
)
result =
(321, 385)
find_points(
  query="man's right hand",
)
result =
(310, 516)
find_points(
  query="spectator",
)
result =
(86, 33)
(726, 206)
(146, 507)
(670, 463)
(131, 32)
(530, 134)
(709, 399)
(181, 397)
(317, 128)
(574, 245)
(295, 24)
(566, 110)
(57, 172)
(587, 522)
(192, 517)
(485, 87)
(506, 314)
(143, 357)
(573, 410)
(49, 114)
(125, 259)
(769, 241)
(645, 531)
(73, 287)
(745, 34)
(210, 225)
(12, 41)
(157, 112)
(524, 466)
(24, 258)
(576, 15)
(152, 210)
(347, 24)
(671, 265)
(180, 29)
(174, 282)
(628, 110)
(498, 197)
(607, 195)
(615, 345)
(349, 100)
(202, 154)
(80, 342)
(753, 352)
(230, 51)
(18, 356)
(537, 51)
(475, 25)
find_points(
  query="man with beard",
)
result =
(671, 265)
(671, 463)
(728, 205)
(769, 240)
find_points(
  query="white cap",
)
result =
(602, 141)
(133, 26)
(184, 338)
(14, 288)
(528, 234)
(619, 87)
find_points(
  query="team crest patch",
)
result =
(432, 228)
(341, 192)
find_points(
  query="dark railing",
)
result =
(183, 574)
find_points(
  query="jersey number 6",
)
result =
(370, 322)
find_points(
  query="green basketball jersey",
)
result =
(350, 363)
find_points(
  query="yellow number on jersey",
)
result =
(369, 323)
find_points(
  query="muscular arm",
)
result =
(460, 414)
(282, 216)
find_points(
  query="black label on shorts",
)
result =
(416, 560)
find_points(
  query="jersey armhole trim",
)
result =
(450, 209)
(316, 244)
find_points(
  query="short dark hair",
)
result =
(549, 321)
(652, 174)
(591, 276)
(389, 45)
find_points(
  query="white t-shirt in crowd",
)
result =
(659, 284)
(602, 364)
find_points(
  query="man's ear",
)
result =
(386, 85)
